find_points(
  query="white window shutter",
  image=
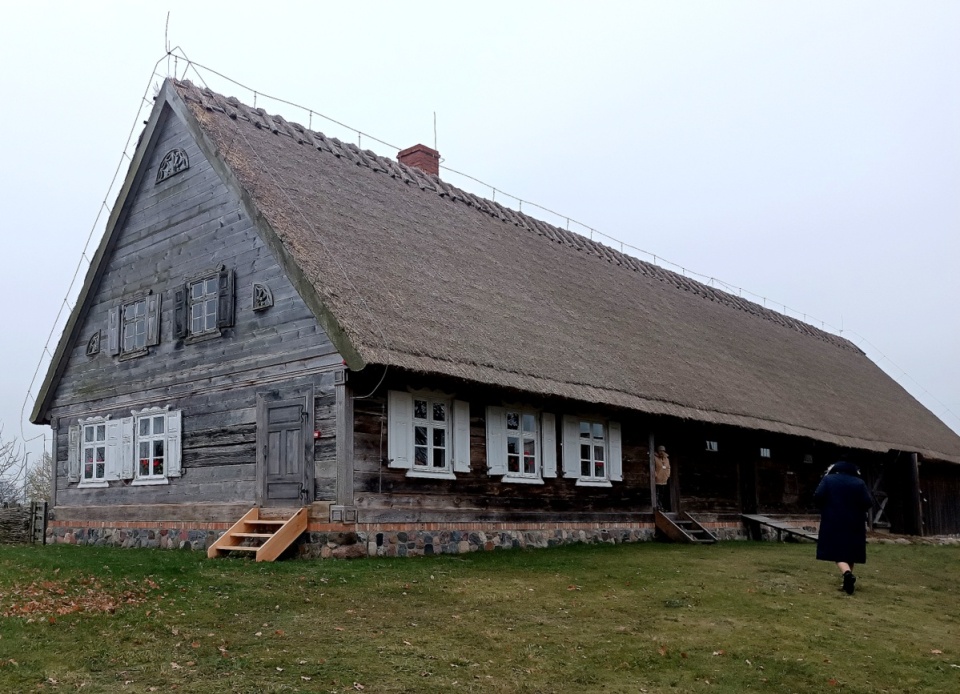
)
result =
(616, 452)
(153, 320)
(461, 436)
(113, 451)
(113, 331)
(172, 443)
(571, 446)
(126, 448)
(496, 441)
(400, 429)
(73, 453)
(548, 443)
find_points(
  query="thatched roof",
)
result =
(410, 271)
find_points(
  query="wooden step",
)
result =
(271, 544)
(682, 527)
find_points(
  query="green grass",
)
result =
(733, 617)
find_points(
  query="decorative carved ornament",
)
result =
(174, 162)
(262, 297)
(93, 345)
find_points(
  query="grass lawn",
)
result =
(732, 617)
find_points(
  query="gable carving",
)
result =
(262, 297)
(174, 161)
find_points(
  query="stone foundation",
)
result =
(347, 541)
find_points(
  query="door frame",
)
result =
(264, 400)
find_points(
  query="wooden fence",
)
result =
(24, 524)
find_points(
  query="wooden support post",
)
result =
(344, 440)
(54, 426)
(653, 478)
(916, 501)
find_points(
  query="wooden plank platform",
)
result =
(780, 526)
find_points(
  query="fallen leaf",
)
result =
(832, 682)
(175, 666)
(662, 650)
(682, 654)
(358, 686)
(338, 628)
(305, 678)
(937, 651)
(720, 652)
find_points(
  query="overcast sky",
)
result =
(807, 152)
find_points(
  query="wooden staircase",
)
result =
(682, 527)
(264, 538)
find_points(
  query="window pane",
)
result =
(585, 429)
(513, 463)
(439, 437)
(529, 422)
(210, 286)
(158, 448)
(529, 465)
(196, 290)
(100, 471)
(420, 436)
(420, 455)
(88, 471)
(439, 458)
(88, 433)
(598, 452)
(140, 308)
(600, 472)
(597, 430)
(144, 449)
(513, 420)
(157, 425)
(88, 455)
(101, 454)
(102, 432)
(439, 412)
(529, 447)
(196, 322)
(584, 452)
(144, 467)
(420, 409)
(585, 470)
(513, 445)
(211, 314)
(145, 426)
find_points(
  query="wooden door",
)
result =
(285, 448)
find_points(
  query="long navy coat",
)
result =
(843, 499)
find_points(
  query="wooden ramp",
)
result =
(754, 522)
(682, 527)
(264, 538)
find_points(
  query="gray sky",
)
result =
(808, 152)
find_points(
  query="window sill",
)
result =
(432, 475)
(506, 479)
(133, 354)
(193, 338)
(149, 482)
(93, 485)
(587, 482)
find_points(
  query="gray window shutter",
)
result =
(113, 451)
(400, 429)
(73, 453)
(172, 444)
(616, 452)
(548, 444)
(461, 436)
(153, 320)
(180, 312)
(496, 441)
(126, 448)
(225, 305)
(113, 331)
(571, 446)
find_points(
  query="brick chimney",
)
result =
(422, 157)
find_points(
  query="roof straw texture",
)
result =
(424, 276)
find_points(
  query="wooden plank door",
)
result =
(285, 448)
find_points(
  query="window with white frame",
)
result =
(151, 440)
(764, 452)
(592, 451)
(203, 296)
(204, 305)
(521, 444)
(94, 453)
(144, 448)
(134, 325)
(712, 446)
(428, 434)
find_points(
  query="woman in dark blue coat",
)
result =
(843, 499)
